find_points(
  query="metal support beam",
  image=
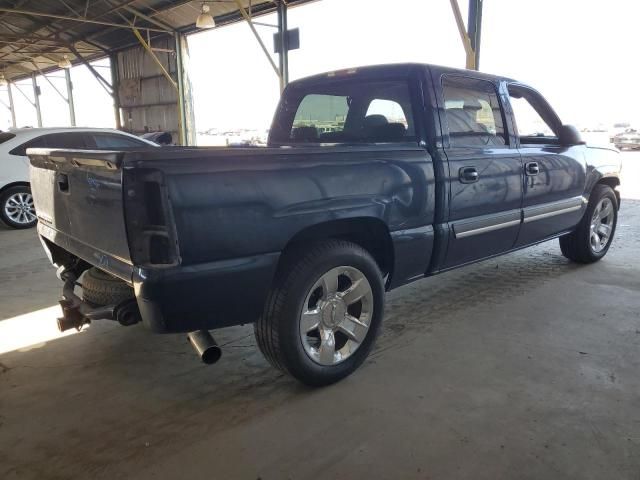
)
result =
(246, 16)
(284, 45)
(474, 26)
(101, 80)
(150, 51)
(76, 19)
(36, 99)
(115, 76)
(182, 101)
(72, 108)
(464, 36)
(12, 106)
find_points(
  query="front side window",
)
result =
(533, 117)
(473, 113)
(345, 111)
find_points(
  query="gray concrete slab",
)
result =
(525, 366)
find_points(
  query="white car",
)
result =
(16, 203)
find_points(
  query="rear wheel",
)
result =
(16, 207)
(593, 236)
(323, 313)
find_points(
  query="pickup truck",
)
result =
(372, 178)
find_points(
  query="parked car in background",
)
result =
(16, 203)
(630, 138)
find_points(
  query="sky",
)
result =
(581, 54)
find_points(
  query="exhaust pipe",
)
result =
(206, 346)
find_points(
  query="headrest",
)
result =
(374, 121)
(305, 134)
(389, 132)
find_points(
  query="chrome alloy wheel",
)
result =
(601, 225)
(336, 315)
(19, 208)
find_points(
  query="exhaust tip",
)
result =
(205, 346)
(211, 355)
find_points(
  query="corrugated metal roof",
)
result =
(35, 35)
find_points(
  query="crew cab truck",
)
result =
(373, 177)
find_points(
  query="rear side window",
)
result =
(473, 113)
(21, 150)
(4, 136)
(72, 140)
(345, 111)
(109, 141)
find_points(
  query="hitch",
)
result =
(76, 312)
(71, 316)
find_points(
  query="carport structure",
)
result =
(145, 41)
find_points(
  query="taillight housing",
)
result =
(151, 233)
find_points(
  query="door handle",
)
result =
(531, 168)
(468, 175)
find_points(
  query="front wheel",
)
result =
(323, 313)
(592, 238)
(16, 207)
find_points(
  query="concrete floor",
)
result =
(521, 367)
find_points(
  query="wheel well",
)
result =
(14, 184)
(371, 234)
(612, 182)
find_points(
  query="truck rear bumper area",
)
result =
(206, 296)
(184, 298)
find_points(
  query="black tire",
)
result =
(278, 330)
(7, 196)
(100, 288)
(576, 246)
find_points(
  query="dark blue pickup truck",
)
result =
(373, 177)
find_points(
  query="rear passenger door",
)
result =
(553, 175)
(485, 170)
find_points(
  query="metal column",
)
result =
(115, 82)
(284, 47)
(36, 98)
(12, 106)
(181, 94)
(474, 27)
(72, 109)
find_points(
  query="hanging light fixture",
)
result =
(3, 80)
(205, 19)
(64, 63)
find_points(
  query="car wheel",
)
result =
(323, 312)
(593, 236)
(16, 207)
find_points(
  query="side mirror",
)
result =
(569, 136)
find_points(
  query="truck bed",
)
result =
(172, 218)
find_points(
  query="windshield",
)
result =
(345, 111)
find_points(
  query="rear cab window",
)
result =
(345, 111)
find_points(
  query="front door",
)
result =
(553, 175)
(485, 171)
